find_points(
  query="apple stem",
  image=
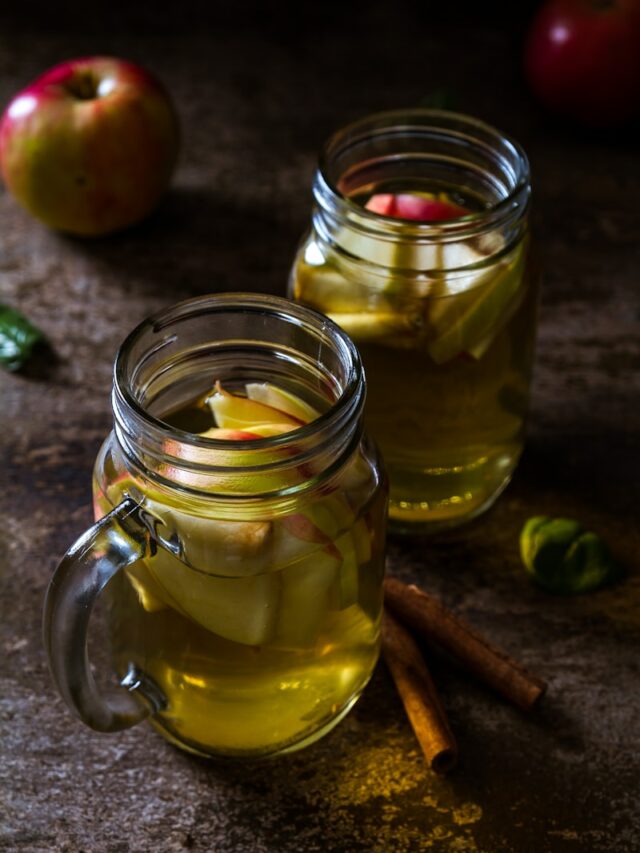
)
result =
(83, 85)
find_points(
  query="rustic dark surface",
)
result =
(256, 100)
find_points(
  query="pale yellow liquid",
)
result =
(451, 434)
(231, 699)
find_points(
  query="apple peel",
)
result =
(421, 207)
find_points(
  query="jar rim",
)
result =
(419, 119)
(132, 415)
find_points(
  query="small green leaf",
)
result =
(18, 337)
(564, 558)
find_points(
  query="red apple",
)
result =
(582, 59)
(90, 146)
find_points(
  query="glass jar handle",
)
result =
(113, 543)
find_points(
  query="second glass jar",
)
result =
(443, 311)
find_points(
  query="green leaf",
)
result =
(18, 337)
(563, 558)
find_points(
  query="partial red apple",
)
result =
(90, 146)
(582, 59)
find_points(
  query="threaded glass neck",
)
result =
(420, 148)
(176, 356)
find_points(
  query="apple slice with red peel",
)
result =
(354, 546)
(326, 579)
(421, 207)
(284, 401)
(300, 526)
(424, 255)
(268, 430)
(234, 412)
(332, 522)
(230, 434)
(243, 418)
(381, 203)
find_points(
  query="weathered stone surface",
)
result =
(256, 103)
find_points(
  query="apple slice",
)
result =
(304, 600)
(459, 259)
(242, 572)
(354, 545)
(302, 527)
(324, 287)
(422, 207)
(329, 576)
(234, 412)
(463, 322)
(284, 401)
(390, 255)
(230, 434)
(241, 609)
(479, 349)
(332, 522)
(223, 580)
(412, 255)
(257, 431)
(381, 203)
(244, 481)
(241, 605)
(268, 430)
(395, 329)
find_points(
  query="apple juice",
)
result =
(249, 635)
(446, 333)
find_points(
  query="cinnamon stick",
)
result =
(432, 621)
(419, 695)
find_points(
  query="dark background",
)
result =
(258, 88)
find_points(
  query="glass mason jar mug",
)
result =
(240, 540)
(419, 249)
